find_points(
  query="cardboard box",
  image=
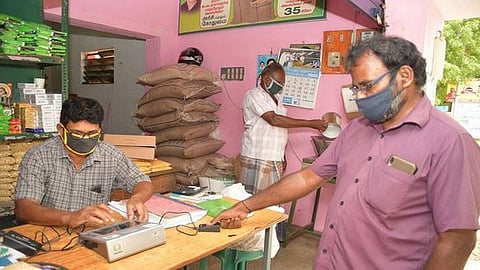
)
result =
(130, 140)
(138, 152)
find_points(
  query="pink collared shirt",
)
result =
(383, 218)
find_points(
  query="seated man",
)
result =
(67, 180)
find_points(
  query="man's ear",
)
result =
(407, 76)
(264, 81)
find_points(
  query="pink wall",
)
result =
(157, 22)
(240, 47)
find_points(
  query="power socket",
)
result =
(232, 73)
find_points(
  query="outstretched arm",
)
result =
(277, 120)
(290, 187)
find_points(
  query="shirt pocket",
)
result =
(387, 188)
(96, 197)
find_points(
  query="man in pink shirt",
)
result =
(408, 186)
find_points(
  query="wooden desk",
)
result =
(178, 251)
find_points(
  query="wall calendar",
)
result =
(302, 70)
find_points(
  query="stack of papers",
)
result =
(9, 255)
(164, 210)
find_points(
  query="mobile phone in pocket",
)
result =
(402, 164)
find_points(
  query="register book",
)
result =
(165, 211)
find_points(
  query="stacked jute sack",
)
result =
(177, 112)
(11, 153)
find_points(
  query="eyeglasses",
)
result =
(80, 135)
(366, 87)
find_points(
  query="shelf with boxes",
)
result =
(27, 47)
(30, 60)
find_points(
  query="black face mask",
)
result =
(81, 145)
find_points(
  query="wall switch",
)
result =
(232, 73)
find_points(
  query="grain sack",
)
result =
(24, 146)
(4, 147)
(174, 119)
(5, 153)
(6, 167)
(185, 132)
(187, 180)
(221, 162)
(6, 193)
(166, 105)
(189, 149)
(210, 171)
(6, 180)
(181, 70)
(189, 166)
(7, 160)
(181, 89)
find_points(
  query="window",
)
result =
(98, 66)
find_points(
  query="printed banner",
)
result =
(205, 15)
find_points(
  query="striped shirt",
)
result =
(260, 139)
(48, 176)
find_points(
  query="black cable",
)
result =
(193, 227)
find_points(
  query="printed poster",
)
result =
(264, 60)
(206, 15)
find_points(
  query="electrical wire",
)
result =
(229, 97)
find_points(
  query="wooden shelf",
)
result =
(39, 60)
(27, 136)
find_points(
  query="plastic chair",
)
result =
(242, 257)
(232, 259)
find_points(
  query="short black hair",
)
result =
(78, 109)
(394, 52)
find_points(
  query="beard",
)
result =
(395, 106)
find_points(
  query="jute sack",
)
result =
(185, 179)
(189, 149)
(181, 70)
(181, 89)
(189, 166)
(175, 119)
(185, 133)
(166, 105)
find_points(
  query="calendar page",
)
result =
(302, 70)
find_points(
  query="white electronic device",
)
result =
(123, 239)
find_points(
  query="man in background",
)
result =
(262, 160)
(407, 190)
(68, 180)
